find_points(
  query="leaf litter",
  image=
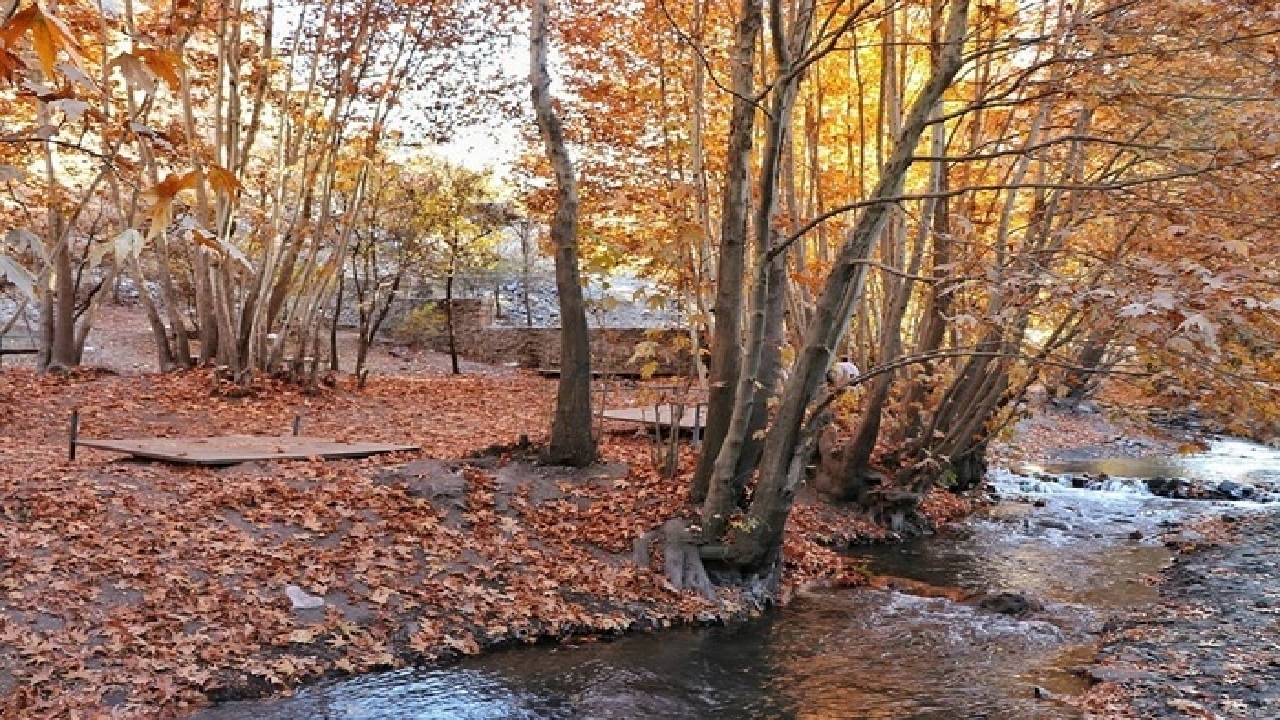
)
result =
(137, 589)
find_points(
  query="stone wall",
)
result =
(479, 340)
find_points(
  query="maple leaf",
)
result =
(48, 36)
(165, 64)
(10, 63)
(223, 181)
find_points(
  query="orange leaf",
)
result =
(9, 64)
(174, 184)
(164, 63)
(135, 71)
(223, 180)
(17, 26)
(165, 191)
(207, 239)
(48, 36)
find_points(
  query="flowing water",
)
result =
(853, 653)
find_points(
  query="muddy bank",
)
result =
(1208, 649)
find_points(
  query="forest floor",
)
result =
(144, 589)
(140, 589)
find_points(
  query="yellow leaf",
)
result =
(45, 41)
(48, 36)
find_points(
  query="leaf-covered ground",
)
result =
(131, 589)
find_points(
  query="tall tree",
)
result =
(572, 442)
(755, 546)
(726, 343)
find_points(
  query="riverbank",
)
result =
(1208, 649)
(141, 589)
(145, 589)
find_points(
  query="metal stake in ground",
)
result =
(72, 434)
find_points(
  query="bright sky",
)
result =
(483, 148)
(494, 147)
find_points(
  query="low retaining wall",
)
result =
(478, 339)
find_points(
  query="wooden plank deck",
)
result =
(25, 346)
(663, 414)
(232, 449)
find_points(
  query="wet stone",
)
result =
(1007, 603)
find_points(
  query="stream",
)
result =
(1082, 553)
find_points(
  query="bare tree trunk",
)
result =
(572, 442)
(64, 352)
(526, 271)
(1077, 383)
(854, 478)
(726, 340)
(448, 319)
(164, 351)
(700, 252)
(57, 316)
(45, 357)
(334, 361)
(728, 480)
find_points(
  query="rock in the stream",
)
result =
(1054, 523)
(1169, 487)
(1228, 490)
(1186, 537)
(1009, 603)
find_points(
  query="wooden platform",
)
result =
(596, 374)
(26, 346)
(662, 416)
(232, 449)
